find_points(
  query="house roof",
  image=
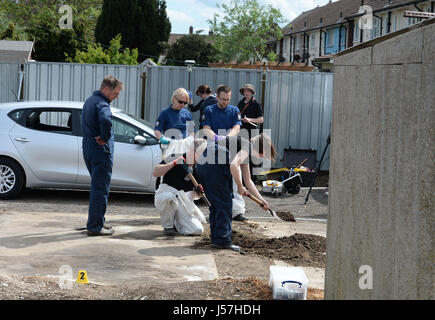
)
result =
(327, 15)
(15, 51)
(330, 13)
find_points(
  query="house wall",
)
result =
(398, 22)
(381, 185)
(336, 44)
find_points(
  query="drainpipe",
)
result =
(321, 40)
(432, 6)
(389, 22)
(303, 51)
(415, 5)
(339, 38)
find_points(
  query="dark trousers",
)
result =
(218, 186)
(99, 165)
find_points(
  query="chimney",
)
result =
(190, 30)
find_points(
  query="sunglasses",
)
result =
(182, 102)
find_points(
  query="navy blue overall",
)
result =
(97, 121)
(217, 182)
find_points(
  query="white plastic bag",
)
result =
(166, 203)
(188, 217)
(238, 202)
(178, 210)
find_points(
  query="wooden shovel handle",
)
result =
(258, 201)
(302, 163)
(195, 184)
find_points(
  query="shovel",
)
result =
(258, 201)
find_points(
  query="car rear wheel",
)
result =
(11, 179)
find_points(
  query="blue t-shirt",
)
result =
(174, 119)
(217, 118)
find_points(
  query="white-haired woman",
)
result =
(175, 121)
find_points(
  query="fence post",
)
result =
(142, 107)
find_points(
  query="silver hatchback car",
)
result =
(41, 147)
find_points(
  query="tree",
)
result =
(38, 21)
(242, 32)
(143, 24)
(191, 47)
(98, 55)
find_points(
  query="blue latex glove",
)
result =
(190, 95)
(164, 140)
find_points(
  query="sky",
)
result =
(186, 13)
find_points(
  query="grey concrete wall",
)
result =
(381, 197)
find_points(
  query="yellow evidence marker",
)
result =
(82, 277)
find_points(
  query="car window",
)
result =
(16, 115)
(50, 121)
(123, 131)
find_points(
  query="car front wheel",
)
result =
(11, 179)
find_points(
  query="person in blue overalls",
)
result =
(175, 121)
(220, 121)
(98, 149)
(215, 177)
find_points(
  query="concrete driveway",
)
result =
(38, 236)
(40, 242)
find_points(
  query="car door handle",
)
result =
(22, 139)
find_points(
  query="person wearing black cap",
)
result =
(250, 109)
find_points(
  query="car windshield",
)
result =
(149, 125)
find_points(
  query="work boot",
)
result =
(240, 217)
(102, 232)
(227, 246)
(170, 232)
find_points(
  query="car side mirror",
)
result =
(140, 140)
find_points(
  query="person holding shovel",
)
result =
(260, 146)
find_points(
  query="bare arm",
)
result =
(234, 168)
(234, 131)
(163, 168)
(208, 132)
(158, 134)
(258, 120)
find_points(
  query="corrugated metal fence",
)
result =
(9, 81)
(298, 110)
(163, 81)
(297, 105)
(76, 82)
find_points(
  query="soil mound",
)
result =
(305, 250)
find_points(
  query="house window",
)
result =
(394, 23)
(356, 32)
(376, 28)
(297, 44)
(331, 38)
(343, 36)
(312, 41)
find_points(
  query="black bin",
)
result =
(293, 157)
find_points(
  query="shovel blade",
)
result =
(273, 213)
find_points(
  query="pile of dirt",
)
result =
(286, 216)
(305, 250)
